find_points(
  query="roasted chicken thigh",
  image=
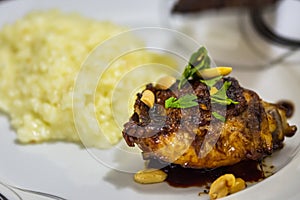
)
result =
(205, 131)
(192, 137)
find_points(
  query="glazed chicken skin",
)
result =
(196, 138)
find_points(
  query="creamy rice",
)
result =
(40, 57)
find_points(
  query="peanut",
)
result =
(165, 82)
(148, 98)
(220, 187)
(214, 72)
(238, 186)
(149, 176)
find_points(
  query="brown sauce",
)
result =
(249, 171)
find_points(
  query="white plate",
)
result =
(71, 172)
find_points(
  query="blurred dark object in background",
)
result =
(187, 6)
(256, 8)
(265, 31)
(251, 34)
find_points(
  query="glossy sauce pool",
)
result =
(249, 171)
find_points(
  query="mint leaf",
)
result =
(218, 116)
(211, 82)
(198, 61)
(221, 94)
(186, 101)
(221, 97)
(187, 73)
(226, 101)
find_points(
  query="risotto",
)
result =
(40, 57)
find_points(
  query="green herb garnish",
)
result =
(221, 97)
(198, 61)
(211, 82)
(218, 116)
(185, 101)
